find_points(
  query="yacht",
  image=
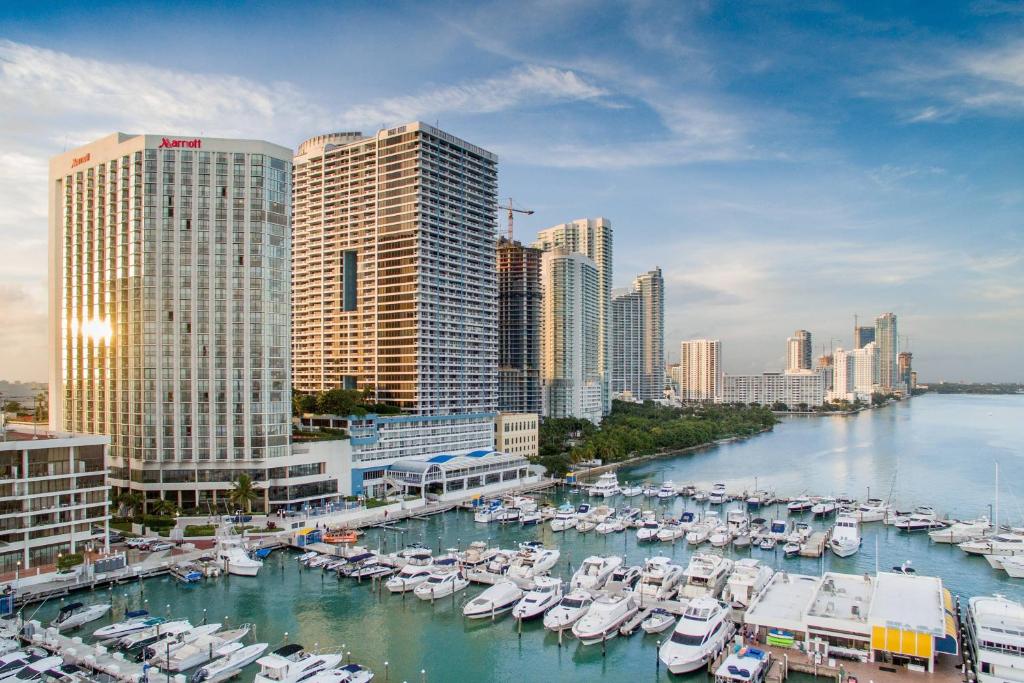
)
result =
(236, 558)
(202, 649)
(873, 510)
(507, 515)
(845, 537)
(698, 637)
(648, 531)
(667, 490)
(476, 556)
(607, 485)
(758, 498)
(611, 525)
(602, 621)
(76, 614)
(824, 507)
(747, 580)
(172, 643)
(565, 518)
(546, 592)
(631, 491)
(923, 518)
(717, 495)
(745, 665)
(623, 578)
(651, 491)
(350, 673)
(959, 532)
(700, 496)
(701, 531)
(705, 575)
(1013, 565)
(531, 518)
(568, 610)
(499, 564)
(141, 639)
(133, 622)
(741, 540)
(1001, 544)
(659, 579)
(720, 536)
(228, 666)
(779, 529)
(37, 669)
(441, 583)
(799, 504)
(497, 599)
(585, 524)
(737, 521)
(995, 634)
(659, 620)
(485, 514)
(594, 572)
(532, 560)
(291, 664)
(413, 574)
(671, 532)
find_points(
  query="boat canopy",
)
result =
(287, 650)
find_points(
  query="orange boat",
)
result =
(341, 536)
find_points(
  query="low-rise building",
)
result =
(517, 434)
(791, 388)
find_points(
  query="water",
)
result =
(939, 450)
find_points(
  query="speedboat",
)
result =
(606, 486)
(230, 665)
(705, 575)
(767, 543)
(659, 620)
(532, 560)
(698, 637)
(671, 532)
(824, 507)
(150, 635)
(700, 496)
(291, 664)
(651, 491)
(744, 665)
(565, 518)
(476, 556)
(959, 532)
(747, 580)
(418, 567)
(1001, 544)
(499, 564)
(507, 515)
(624, 578)
(845, 538)
(799, 504)
(202, 649)
(923, 518)
(487, 513)
(594, 572)
(568, 610)
(701, 531)
(531, 518)
(603, 619)
(667, 490)
(133, 622)
(546, 592)
(497, 599)
(76, 614)
(631, 491)
(648, 531)
(717, 495)
(720, 536)
(441, 583)
(610, 525)
(873, 510)
(791, 548)
(659, 579)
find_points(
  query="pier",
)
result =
(815, 545)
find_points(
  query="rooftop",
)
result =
(910, 602)
(843, 596)
(782, 602)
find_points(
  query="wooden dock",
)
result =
(815, 545)
(633, 624)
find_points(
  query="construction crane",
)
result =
(511, 211)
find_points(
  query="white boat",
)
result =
(440, 584)
(291, 664)
(606, 486)
(960, 532)
(499, 564)
(624, 578)
(717, 495)
(34, 670)
(792, 548)
(532, 560)
(700, 496)
(202, 649)
(737, 521)
(667, 490)
(700, 532)
(874, 510)
(767, 543)
(235, 557)
(228, 666)
(995, 634)
(507, 515)
(141, 639)
(799, 504)
(657, 621)
(745, 665)
(172, 643)
(648, 531)
(476, 556)
(741, 541)
(659, 579)
(923, 518)
(568, 610)
(565, 518)
(748, 578)
(610, 526)
(585, 524)
(671, 532)
(1009, 543)
(632, 491)
(531, 518)
(698, 637)
(1013, 566)
(417, 569)
(546, 592)
(720, 536)
(488, 513)
(76, 614)
(758, 498)
(779, 529)
(824, 507)
(594, 572)
(133, 622)
(651, 491)
(602, 621)
(705, 575)
(350, 673)
(524, 503)
(845, 537)
(497, 599)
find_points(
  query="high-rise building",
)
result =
(798, 351)
(170, 313)
(638, 339)
(906, 370)
(519, 311)
(571, 336)
(854, 373)
(591, 237)
(888, 341)
(394, 285)
(700, 369)
(862, 336)
(825, 366)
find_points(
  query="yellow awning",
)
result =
(306, 531)
(947, 600)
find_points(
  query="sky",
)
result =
(787, 165)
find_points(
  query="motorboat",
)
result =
(187, 572)
(413, 574)
(498, 566)
(758, 498)
(698, 637)
(585, 524)
(150, 635)
(568, 610)
(76, 614)
(659, 579)
(686, 490)
(671, 532)
(291, 664)
(648, 531)
(202, 649)
(610, 525)
(748, 578)
(687, 519)
(799, 504)
(606, 486)
(779, 529)
(623, 578)
(229, 665)
(602, 621)
(658, 620)
(667, 490)
(720, 536)
(488, 512)
(476, 556)
(651, 491)
(602, 513)
(845, 537)
(744, 665)
(824, 507)
(995, 636)
(791, 548)
(874, 510)
(565, 518)
(507, 515)
(173, 642)
(546, 592)
(960, 532)
(923, 518)
(350, 673)
(1009, 543)
(700, 532)
(235, 557)
(700, 496)
(497, 599)
(1013, 565)
(632, 491)
(365, 566)
(532, 561)
(737, 521)
(741, 540)
(717, 495)
(767, 543)
(441, 583)
(630, 516)
(133, 622)
(531, 518)
(307, 556)
(705, 575)
(594, 572)
(524, 503)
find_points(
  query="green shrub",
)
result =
(193, 530)
(70, 560)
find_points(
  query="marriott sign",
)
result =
(189, 144)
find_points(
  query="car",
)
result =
(116, 537)
(160, 546)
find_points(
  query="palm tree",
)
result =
(162, 506)
(244, 492)
(130, 502)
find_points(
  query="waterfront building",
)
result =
(573, 385)
(862, 336)
(798, 351)
(170, 312)
(888, 341)
(906, 371)
(700, 369)
(519, 312)
(638, 341)
(517, 433)
(790, 388)
(854, 374)
(826, 368)
(591, 237)
(55, 492)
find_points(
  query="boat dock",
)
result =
(815, 545)
(630, 627)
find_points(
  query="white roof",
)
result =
(908, 601)
(782, 603)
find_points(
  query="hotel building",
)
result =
(700, 369)
(519, 311)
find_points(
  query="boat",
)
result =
(698, 637)
(658, 620)
(687, 519)
(705, 575)
(720, 536)
(701, 531)
(568, 610)
(291, 664)
(825, 507)
(532, 560)
(717, 495)
(845, 537)
(670, 532)
(632, 491)
(585, 524)
(141, 639)
(546, 592)
(441, 583)
(799, 504)
(767, 543)
(667, 490)
(229, 665)
(235, 557)
(476, 556)
(995, 636)
(1013, 565)
(791, 548)
(350, 673)
(779, 529)
(873, 510)
(659, 579)
(507, 515)
(624, 578)
(744, 665)
(76, 614)
(648, 531)
(700, 496)
(923, 518)
(498, 565)
(594, 572)
(737, 521)
(758, 498)
(33, 670)
(1010, 543)
(497, 599)
(748, 578)
(173, 642)
(606, 486)
(604, 618)
(416, 570)
(741, 541)
(340, 536)
(306, 556)
(488, 512)
(610, 525)
(651, 491)
(565, 518)
(187, 572)
(133, 622)
(202, 649)
(960, 532)
(531, 518)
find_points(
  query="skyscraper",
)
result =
(906, 370)
(394, 285)
(591, 237)
(570, 337)
(798, 351)
(519, 315)
(169, 311)
(888, 341)
(700, 369)
(862, 336)
(855, 373)
(638, 342)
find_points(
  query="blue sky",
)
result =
(786, 166)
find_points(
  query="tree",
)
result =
(244, 492)
(13, 406)
(162, 506)
(129, 503)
